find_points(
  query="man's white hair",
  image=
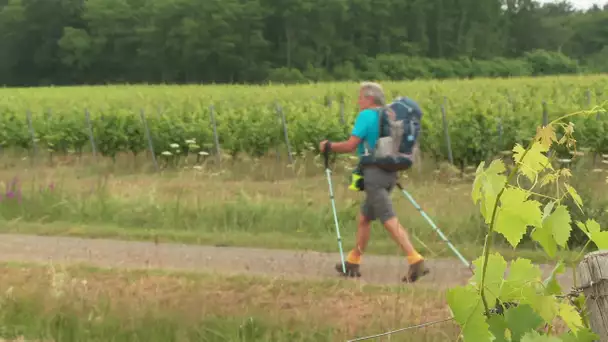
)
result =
(374, 90)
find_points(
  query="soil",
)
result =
(227, 260)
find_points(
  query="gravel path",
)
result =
(230, 260)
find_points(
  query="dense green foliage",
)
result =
(485, 116)
(107, 41)
(528, 304)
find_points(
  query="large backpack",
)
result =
(400, 124)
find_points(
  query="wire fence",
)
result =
(422, 325)
(499, 310)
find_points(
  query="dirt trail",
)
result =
(230, 260)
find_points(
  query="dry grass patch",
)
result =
(346, 306)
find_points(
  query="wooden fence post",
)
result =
(593, 275)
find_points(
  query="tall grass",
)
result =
(77, 304)
(269, 205)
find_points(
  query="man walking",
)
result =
(378, 185)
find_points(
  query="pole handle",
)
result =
(326, 154)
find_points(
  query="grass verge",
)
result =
(256, 205)
(92, 304)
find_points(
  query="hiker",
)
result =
(377, 185)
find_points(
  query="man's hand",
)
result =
(341, 147)
(322, 145)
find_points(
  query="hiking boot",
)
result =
(416, 271)
(352, 270)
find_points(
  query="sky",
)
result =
(582, 4)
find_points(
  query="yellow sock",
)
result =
(353, 258)
(414, 258)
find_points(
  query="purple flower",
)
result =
(13, 184)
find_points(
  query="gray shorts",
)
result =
(378, 186)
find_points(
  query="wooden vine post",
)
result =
(592, 272)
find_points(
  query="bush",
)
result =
(550, 63)
(397, 67)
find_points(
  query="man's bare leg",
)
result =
(414, 259)
(363, 232)
(353, 260)
(400, 236)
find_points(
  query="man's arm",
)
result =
(359, 133)
(346, 146)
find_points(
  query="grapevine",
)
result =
(484, 119)
(522, 306)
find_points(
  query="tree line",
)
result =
(61, 42)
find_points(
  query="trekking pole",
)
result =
(435, 228)
(333, 204)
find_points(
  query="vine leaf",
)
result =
(544, 234)
(534, 336)
(552, 287)
(468, 312)
(548, 209)
(499, 328)
(487, 185)
(593, 231)
(546, 306)
(549, 178)
(570, 316)
(521, 273)
(494, 275)
(575, 196)
(522, 285)
(546, 136)
(516, 213)
(533, 162)
(582, 335)
(558, 222)
(520, 320)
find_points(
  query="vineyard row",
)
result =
(463, 137)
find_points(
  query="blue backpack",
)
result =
(400, 124)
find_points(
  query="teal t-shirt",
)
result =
(367, 129)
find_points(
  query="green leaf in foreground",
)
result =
(582, 335)
(546, 306)
(533, 162)
(575, 196)
(487, 185)
(521, 320)
(534, 336)
(499, 328)
(593, 231)
(494, 275)
(544, 236)
(467, 309)
(552, 287)
(522, 274)
(558, 222)
(524, 285)
(570, 316)
(516, 214)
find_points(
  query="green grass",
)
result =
(92, 304)
(266, 207)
